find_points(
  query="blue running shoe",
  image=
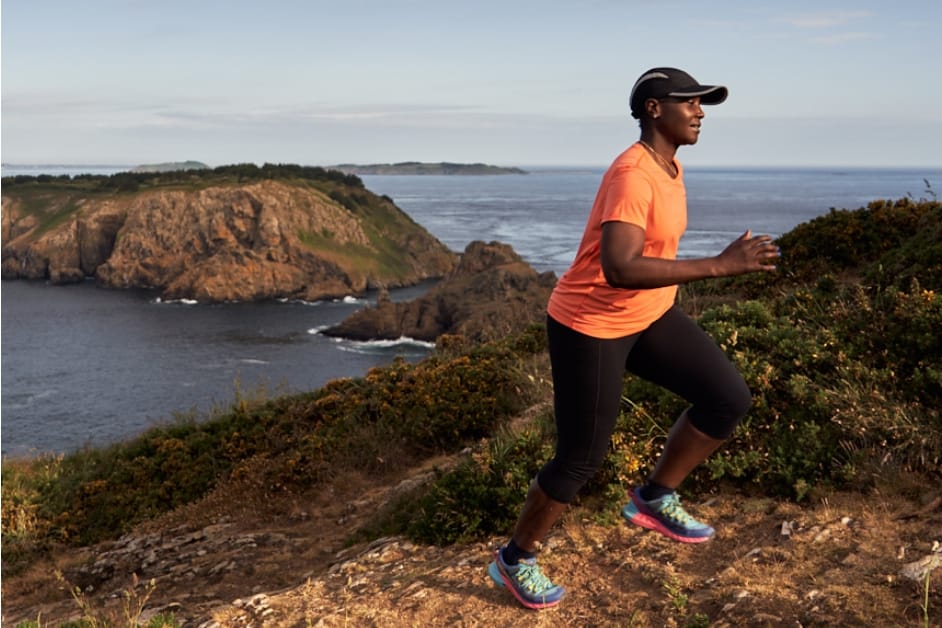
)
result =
(667, 516)
(526, 582)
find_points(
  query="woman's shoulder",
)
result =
(630, 164)
(631, 157)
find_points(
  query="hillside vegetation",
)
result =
(171, 166)
(841, 348)
(132, 181)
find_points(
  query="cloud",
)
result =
(829, 27)
(381, 112)
(843, 38)
(310, 116)
(824, 19)
(104, 112)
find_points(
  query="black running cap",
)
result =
(662, 82)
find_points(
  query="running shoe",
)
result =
(526, 582)
(667, 516)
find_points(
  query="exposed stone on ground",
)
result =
(490, 294)
(919, 570)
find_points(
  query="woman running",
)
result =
(613, 311)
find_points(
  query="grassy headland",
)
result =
(841, 349)
(233, 233)
(54, 198)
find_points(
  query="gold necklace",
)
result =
(667, 165)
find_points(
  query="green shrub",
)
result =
(836, 381)
(851, 239)
(917, 258)
(484, 493)
(886, 242)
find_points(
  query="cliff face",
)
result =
(490, 294)
(268, 239)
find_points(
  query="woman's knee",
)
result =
(739, 401)
(562, 481)
(719, 418)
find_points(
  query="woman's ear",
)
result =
(653, 108)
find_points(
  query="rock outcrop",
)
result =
(491, 293)
(237, 242)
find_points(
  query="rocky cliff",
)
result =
(490, 294)
(220, 242)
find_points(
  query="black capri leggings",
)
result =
(588, 373)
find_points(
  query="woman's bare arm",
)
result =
(625, 267)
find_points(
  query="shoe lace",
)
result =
(531, 577)
(672, 509)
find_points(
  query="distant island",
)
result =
(416, 167)
(171, 166)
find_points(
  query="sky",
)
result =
(505, 82)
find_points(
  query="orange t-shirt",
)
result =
(636, 190)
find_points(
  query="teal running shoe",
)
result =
(526, 582)
(667, 516)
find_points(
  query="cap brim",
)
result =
(709, 94)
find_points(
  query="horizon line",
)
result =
(36, 165)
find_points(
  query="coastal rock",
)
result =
(491, 293)
(269, 239)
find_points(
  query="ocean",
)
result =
(82, 365)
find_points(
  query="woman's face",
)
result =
(678, 119)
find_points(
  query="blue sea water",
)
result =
(542, 214)
(86, 365)
(83, 365)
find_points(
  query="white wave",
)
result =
(158, 300)
(43, 395)
(253, 361)
(347, 299)
(299, 301)
(316, 330)
(383, 346)
(401, 340)
(24, 400)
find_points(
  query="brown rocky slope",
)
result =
(490, 294)
(224, 242)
